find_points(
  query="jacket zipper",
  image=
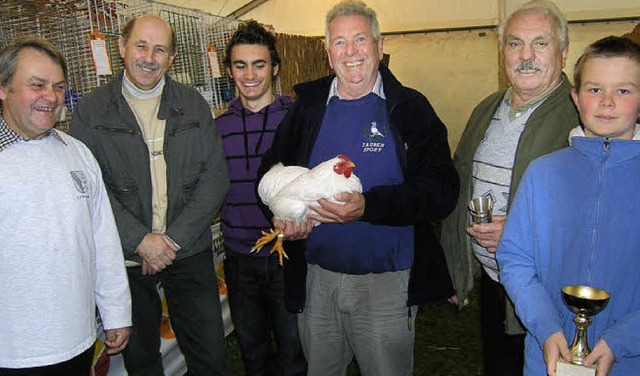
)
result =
(116, 130)
(596, 211)
(183, 129)
(401, 146)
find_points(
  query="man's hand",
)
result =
(293, 231)
(157, 252)
(602, 356)
(117, 340)
(350, 208)
(554, 347)
(488, 234)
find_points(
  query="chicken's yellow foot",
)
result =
(266, 238)
(279, 248)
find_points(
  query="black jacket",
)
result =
(197, 179)
(428, 193)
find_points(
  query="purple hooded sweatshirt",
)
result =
(246, 136)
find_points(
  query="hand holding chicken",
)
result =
(289, 191)
(349, 207)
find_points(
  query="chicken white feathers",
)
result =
(288, 191)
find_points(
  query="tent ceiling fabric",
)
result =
(307, 17)
(248, 7)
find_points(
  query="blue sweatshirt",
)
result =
(360, 130)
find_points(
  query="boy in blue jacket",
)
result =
(574, 222)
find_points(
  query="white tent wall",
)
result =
(455, 69)
(587, 9)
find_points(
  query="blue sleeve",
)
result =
(520, 269)
(623, 337)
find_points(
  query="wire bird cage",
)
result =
(69, 24)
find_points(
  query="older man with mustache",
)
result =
(162, 160)
(506, 131)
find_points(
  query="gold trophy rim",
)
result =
(572, 294)
(584, 302)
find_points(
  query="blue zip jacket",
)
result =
(574, 221)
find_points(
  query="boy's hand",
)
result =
(602, 356)
(554, 347)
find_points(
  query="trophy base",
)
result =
(564, 368)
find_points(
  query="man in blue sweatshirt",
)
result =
(356, 280)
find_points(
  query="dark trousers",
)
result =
(79, 365)
(256, 298)
(191, 291)
(503, 353)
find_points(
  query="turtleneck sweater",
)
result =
(145, 105)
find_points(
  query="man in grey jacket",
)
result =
(165, 172)
(505, 132)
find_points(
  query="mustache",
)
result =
(527, 66)
(148, 66)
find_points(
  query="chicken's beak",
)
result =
(351, 164)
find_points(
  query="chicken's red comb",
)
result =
(344, 157)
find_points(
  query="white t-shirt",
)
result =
(60, 253)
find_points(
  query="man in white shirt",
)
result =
(60, 250)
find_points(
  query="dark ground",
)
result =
(447, 341)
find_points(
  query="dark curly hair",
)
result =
(252, 32)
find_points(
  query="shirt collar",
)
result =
(9, 137)
(527, 106)
(138, 93)
(579, 132)
(378, 89)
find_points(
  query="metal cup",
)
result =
(585, 302)
(480, 209)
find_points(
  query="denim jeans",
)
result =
(256, 297)
(191, 290)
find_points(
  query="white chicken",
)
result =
(288, 191)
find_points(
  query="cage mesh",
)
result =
(69, 23)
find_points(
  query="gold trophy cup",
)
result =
(585, 302)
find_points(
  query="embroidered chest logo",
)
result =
(374, 136)
(80, 182)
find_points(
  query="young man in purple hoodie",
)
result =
(255, 281)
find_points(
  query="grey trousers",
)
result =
(362, 315)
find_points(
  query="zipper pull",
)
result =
(607, 142)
